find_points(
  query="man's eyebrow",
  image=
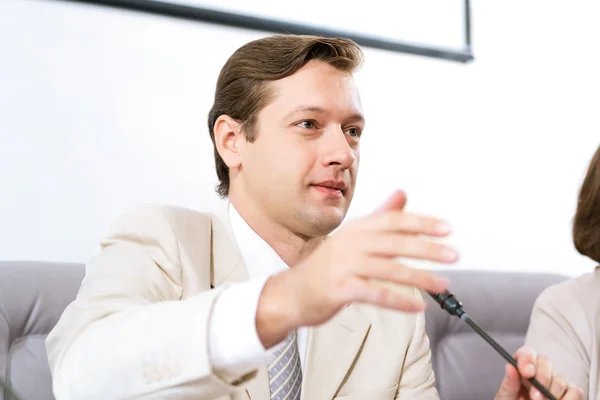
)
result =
(305, 108)
(357, 116)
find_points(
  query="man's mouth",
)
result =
(332, 188)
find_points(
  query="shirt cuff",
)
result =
(234, 345)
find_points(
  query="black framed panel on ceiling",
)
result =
(431, 28)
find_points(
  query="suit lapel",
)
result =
(331, 350)
(227, 262)
(228, 267)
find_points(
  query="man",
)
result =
(255, 302)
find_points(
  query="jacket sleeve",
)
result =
(559, 330)
(129, 333)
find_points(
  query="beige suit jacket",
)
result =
(565, 326)
(139, 325)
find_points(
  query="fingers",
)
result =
(382, 296)
(399, 245)
(390, 270)
(526, 362)
(511, 384)
(396, 201)
(558, 387)
(573, 393)
(530, 365)
(543, 376)
(398, 221)
(392, 232)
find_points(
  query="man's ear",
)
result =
(228, 140)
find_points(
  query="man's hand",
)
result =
(539, 367)
(349, 267)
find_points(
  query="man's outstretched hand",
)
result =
(531, 365)
(351, 265)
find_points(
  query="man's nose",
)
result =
(337, 150)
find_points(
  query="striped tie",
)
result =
(285, 373)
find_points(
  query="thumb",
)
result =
(395, 202)
(511, 384)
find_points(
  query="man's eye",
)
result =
(354, 132)
(307, 124)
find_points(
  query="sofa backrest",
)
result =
(465, 365)
(33, 296)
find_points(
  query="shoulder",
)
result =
(173, 240)
(159, 222)
(574, 292)
(160, 230)
(162, 215)
(572, 305)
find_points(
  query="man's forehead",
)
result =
(319, 94)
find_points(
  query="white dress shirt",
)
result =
(234, 345)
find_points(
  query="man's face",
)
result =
(302, 167)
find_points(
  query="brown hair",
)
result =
(586, 224)
(242, 87)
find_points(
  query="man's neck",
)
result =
(291, 247)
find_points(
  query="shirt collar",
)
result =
(260, 258)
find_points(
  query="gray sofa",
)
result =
(34, 294)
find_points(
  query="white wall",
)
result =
(102, 109)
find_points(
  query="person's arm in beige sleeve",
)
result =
(129, 333)
(555, 330)
(418, 381)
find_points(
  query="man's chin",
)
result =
(325, 219)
